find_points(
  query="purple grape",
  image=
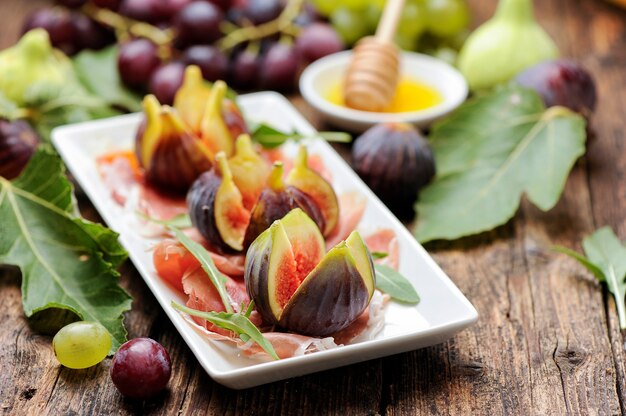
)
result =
(244, 70)
(141, 368)
(261, 11)
(198, 23)
(90, 34)
(58, 23)
(210, 59)
(318, 40)
(166, 80)
(225, 5)
(167, 9)
(107, 4)
(136, 62)
(71, 4)
(18, 142)
(279, 67)
(143, 10)
(562, 82)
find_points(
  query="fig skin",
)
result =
(276, 201)
(317, 189)
(395, 161)
(326, 293)
(18, 142)
(170, 154)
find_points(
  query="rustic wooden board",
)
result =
(547, 342)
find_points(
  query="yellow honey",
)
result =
(411, 95)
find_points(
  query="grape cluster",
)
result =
(426, 25)
(249, 43)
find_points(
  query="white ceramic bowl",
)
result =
(318, 77)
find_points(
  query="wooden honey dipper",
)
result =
(372, 76)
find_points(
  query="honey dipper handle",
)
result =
(389, 20)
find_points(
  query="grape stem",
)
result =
(125, 27)
(282, 24)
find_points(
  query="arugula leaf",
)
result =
(492, 150)
(179, 221)
(200, 253)
(606, 260)
(97, 71)
(270, 137)
(66, 262)
(236, 322)
(395, 285)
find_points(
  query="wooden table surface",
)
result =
(547, 340)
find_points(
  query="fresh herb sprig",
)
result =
(394, 284)
(605, 258)
(237, 322)
(270, 137)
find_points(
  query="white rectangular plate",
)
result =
(442, 312)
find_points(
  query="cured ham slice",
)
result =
(384, 241)
(351, 209)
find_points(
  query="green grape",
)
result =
(413, 20)
(447, 17)
(349, 24)
(325, 7)
(356, 5)
(404, 42)
(81, 344)
(372, 16)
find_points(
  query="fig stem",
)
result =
(224, 168)
(275, 180)
(301, 158)
(243, 146)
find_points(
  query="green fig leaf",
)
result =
(394, 284)
(605, 258)
(97, 71)
(489, 153)
(66, 261)
(236, 322)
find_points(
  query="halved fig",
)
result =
(216, 207)
(250, 170)
(298, 287)
(276, 201)
(192, 97)
(170, 154)
(317, 188)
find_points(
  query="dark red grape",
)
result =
(307, 16)
(244, 70)
(90, 34)
(72, 4)
(141, 368)
(107, 4)
(18, 142)
(279, 67)
(136, 62)
(210, 59)
(166, 80)
(58, 23)
(167, 9)
(198, 23)
(143, 10)
(318, 40)
(225, 5)
(562, 82)
(261, 11)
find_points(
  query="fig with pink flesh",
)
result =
(299, 287)
(216, 207)
(276, 201)
(317, 188)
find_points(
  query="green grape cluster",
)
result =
(435, 26)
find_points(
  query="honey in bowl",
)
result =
(411, 95)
